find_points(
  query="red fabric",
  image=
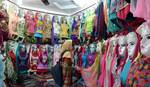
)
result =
(111, 80)
(122, 14)
(12, 56)
(103, 66)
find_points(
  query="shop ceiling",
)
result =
(60, 7)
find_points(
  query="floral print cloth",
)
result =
(139, 73)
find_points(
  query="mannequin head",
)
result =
(132, 41)
(93, 48)
(144, 31)
(122, 45)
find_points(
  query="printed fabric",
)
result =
(139, 73)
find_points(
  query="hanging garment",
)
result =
(89, 24)
(103, 66)
(39, 29)
(56, 29)
(56, 54)
(102, 28)
(122, 14)
(47, 30)
(34, 57)
(22, 59)
(42, 67)
(81, 30)
(139, 73)
(64, 30)
(124, 73)
(50, 56)
(13, 24)
(21, 27)
(90, 59)
(90, 75)
(140, 8)
(30, 24)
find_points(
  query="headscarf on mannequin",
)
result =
(140, 69)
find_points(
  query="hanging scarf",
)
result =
(103, 64)
(90, 75)
(52, 34)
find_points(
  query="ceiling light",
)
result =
(45, 2)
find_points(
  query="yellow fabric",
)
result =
(64, 30)
(89, 23)
(47, 30)
(138, 57)
(39, 26)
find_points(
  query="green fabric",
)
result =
(89, 23)
(111, 27)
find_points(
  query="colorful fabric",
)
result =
(90, 75)
(139, 73)
(122, 14)
(21, 27)
(39, 26)
(124, 73)
(47, 30)
(67, 72)
(89, 24)
(30, 23)
(56, 29)
(90, 59)
(64, 30)
(13, 23)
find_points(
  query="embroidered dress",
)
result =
(64, 31)
(47, 30)
(21, 27)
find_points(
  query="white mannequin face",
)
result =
(132, 42)
(144, 31)
(122, 45)
(145, 42)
